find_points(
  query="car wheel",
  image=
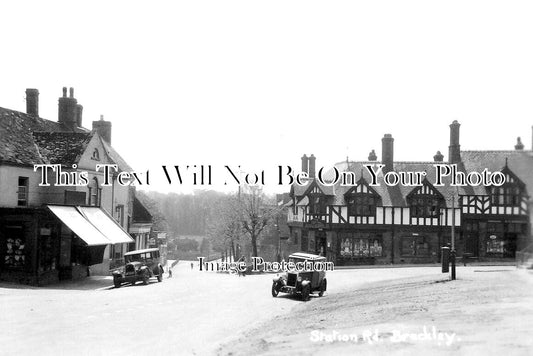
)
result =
(146, 277)
(133, 283)
(306, 291)
(117, 284)
(323, 287)
(275, 290)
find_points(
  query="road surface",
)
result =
(191, 313)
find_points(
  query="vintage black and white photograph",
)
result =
(266, 177)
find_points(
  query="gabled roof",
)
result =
(519, 162)
(17, 145)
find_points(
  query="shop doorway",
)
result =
(471, 238)
(321, 243)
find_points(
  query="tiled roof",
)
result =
(115, 157)
(141, 213)
(519, 162)
(63, 148)
(17, 145)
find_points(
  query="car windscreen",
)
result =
(296, 260)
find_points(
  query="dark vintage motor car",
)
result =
(140, 265)
(301, 283)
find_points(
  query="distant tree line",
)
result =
(227, 221)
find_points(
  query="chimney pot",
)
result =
(372, 156)
(32, 102)
(519, 145)
(439, 157)
(71, 92)
(64, 92)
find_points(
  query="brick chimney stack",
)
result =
(32, 102)
(103, 128)
(68, 112)
(305, 164)
(454, 155)
(387, 153)
(312, 171)
(79, 114)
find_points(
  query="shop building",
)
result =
(64, 231)
(361, 224)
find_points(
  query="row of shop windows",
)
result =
(371, 245)
(360, 245)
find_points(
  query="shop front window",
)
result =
(361, 245)
(415, 246)
(14, 247)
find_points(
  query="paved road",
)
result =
(191, 313)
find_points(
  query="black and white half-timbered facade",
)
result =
(362, 223)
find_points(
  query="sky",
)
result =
(257, 84)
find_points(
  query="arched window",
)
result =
(96, 154)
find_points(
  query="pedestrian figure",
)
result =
(192, 265)
(169, 272)
(239, 272)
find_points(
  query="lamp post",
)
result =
(278, 254)
(452, 252)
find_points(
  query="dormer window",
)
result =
(96, 155)
(362, 200)
(510, 194)
(425, 202)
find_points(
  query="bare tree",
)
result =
(255, 213)
(224, 226)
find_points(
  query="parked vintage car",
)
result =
(302, 283)
(140, 265)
